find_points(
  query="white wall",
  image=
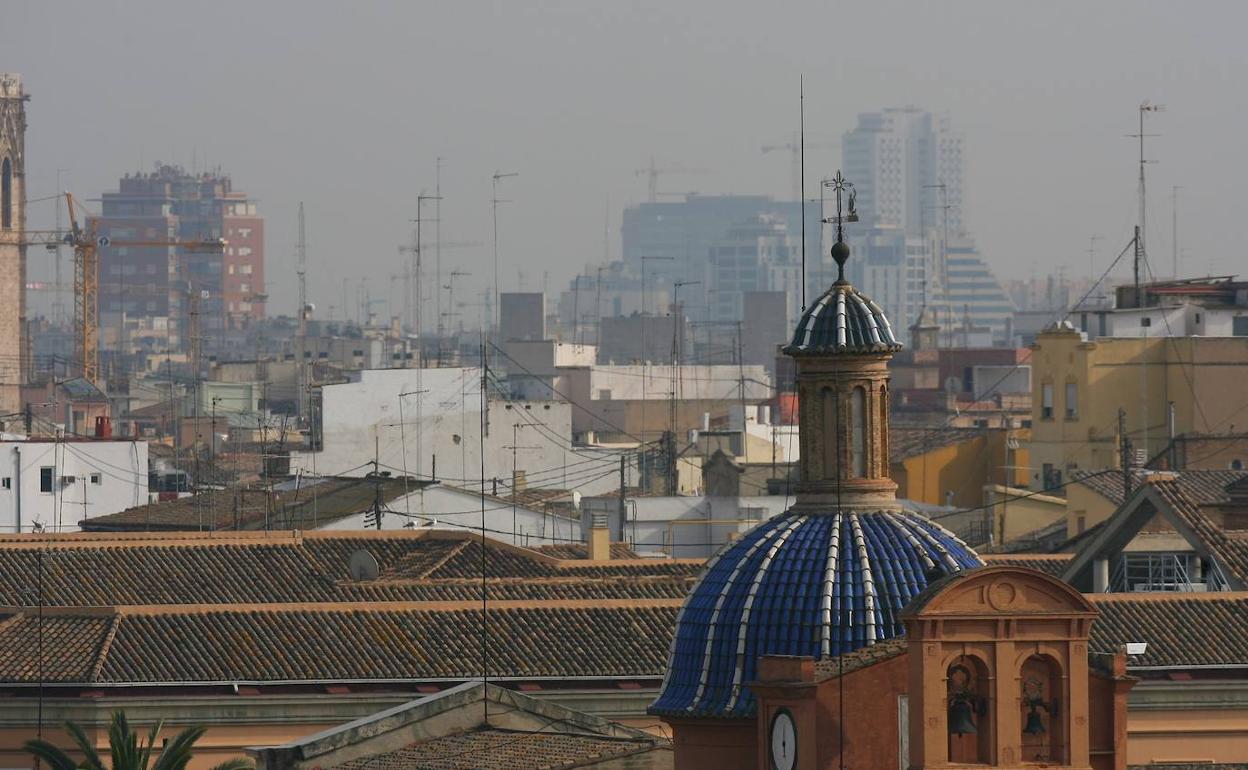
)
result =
(684, 527)
(109, 476)
(441, 419)
(442, 507)
(705, 382)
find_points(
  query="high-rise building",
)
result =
(898, 158)
(12, 233)
(756, 254)
(675, 238)
(893, 270)
(972, 297)
(157, 283)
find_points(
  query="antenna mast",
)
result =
(1140, 252)
(802, 192)
(301, 255)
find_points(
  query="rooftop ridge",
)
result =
(1169, 596)
(351, 607)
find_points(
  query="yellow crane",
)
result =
(86, 244)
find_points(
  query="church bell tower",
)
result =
(842, 347)
(12, 234)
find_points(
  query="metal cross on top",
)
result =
(840, 251)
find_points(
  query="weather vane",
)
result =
(840, 251)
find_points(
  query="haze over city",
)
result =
(623, 386)
(346, 107)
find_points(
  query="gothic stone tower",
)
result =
(12, 233)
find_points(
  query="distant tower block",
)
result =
(12, 233)
(523, 315)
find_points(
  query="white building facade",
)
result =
(52, 485)
(427, 423)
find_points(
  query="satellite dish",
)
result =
(363, 566)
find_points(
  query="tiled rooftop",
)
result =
(1229, 548)
(285, 567)
(1200, 486)
(1182, 629)
(1049, 563)
(338, 642)
(496, 749)
(250, 508)
(906, 441)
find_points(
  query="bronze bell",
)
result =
(961, 718)
(1035, 725)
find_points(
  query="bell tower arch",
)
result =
(999, 671)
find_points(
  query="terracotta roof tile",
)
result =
(265, 568)
(1181, 629)
(497, 749)
(831, 668)
(1200, 486)
(1050, 564)
(579, 551)
(1228, 548)
(292, 643)
(221, 510)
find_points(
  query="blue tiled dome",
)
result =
(843, 320)
(808, 584)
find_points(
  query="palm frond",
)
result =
(86, 746)
(177, 752)
(123, 743)
(146, 758)
(53, 756)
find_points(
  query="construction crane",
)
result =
(653, 173)
(795, 158)
(86, 244)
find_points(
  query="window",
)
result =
(1072, 401)
(96, 478)
(244, 269)
(6, 194)
(7, 483)
(1052, 477)
(1239, 326)
(1046, 401)
(1146, 321)
(45, 479)
(857, 422)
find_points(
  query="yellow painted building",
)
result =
(1079, 385)
(952, 466)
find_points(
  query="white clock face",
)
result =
(783, 741)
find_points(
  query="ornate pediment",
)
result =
(999, 590)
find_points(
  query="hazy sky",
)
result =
(346, 105)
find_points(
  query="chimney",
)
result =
(599, 537)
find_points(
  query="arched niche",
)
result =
(827, 411)
(1042, 709)
(969, 711)
(6, 194)
(858, 432)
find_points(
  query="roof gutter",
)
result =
(322, 682)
